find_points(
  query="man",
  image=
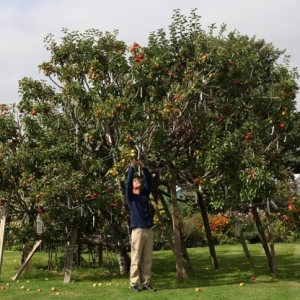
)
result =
(141, 222)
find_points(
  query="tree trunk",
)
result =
(100, 255)
(187, 267)
(272, 246)
(210, 241)
(124, 261)
(246, 251)
(2, 232)
(25, 251)
(50, 254)
(120, 250)
(164, 225)
(79, 257)
(176, 231)
(70, 252)
(262, 238)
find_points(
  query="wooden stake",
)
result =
(28, 258)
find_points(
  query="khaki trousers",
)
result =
(141, 256)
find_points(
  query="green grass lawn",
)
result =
(224, 283)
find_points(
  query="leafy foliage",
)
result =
(212, 110)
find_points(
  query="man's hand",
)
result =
(135, 162)
(141, 163)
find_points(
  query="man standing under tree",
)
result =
(141, 222)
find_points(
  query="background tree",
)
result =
(73, 125)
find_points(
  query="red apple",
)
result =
(198, 181)
(282, 125)
(134, 47)
(248, 135)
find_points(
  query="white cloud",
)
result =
(25, 23)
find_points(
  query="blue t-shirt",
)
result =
(139, 205)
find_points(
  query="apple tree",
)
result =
(221, 112)
(212, 113)
(71, 123)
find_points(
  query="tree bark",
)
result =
(210, 241)
(2, 232)
(176, 231)
(188, 269)
(120, 250)
(262, 238)
(247, 252)
(70, 253)
(113, 244)
(272, 246)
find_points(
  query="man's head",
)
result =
(137, 184)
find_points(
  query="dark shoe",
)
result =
(149, 288)
(134, 288)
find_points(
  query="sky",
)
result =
(25, 23)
